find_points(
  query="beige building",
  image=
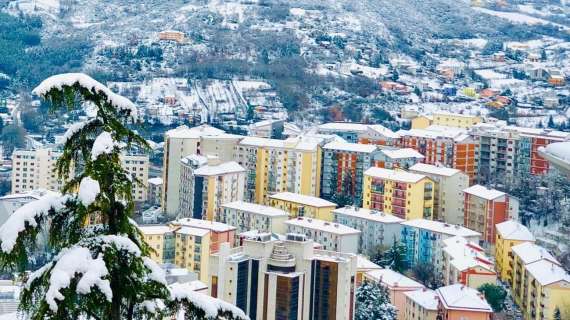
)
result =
(36, 169)
(421, 305)
(332, 236)
(206, 183)
(183, 141)
(448, 191)
(290, 279)
(299, 205)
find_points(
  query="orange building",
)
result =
(459, 302)
(464, 156)
(484, 208)
(219, 232)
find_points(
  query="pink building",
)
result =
(397, 285)
(459, 302)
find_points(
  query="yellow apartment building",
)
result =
(509, 233)
(299, 205)
(455, 120)
(403, 194)
(185, 247)
(547, 288)
(273, 166)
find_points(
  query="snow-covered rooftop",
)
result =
(484, 192)
(435, 170)
(321, 225)
(363, 263)
(460, 297)
(402, 153)
(394, 175)
(154, 229)
(302, 199)
(546, 272)
(155, 181)
(424, 297)
(367, 214)
(513, 230)
(219, 169)
(183, 132)
(393, 279)
(351, 147)
(203, 224)
(192, 231)
(255, 208)
(529, 252)
(343, 126)
(441, 227)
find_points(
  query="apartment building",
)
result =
(12, 202)
(271, 279)
(344, 165)
(397, 285)
(36, 169)
(273, 166)
(530, 140)
(484, 208)
(496, 152)
(509, 233)
(154, 191)
(455, 120)
(465, 262)
(421, 305)
(436, 143)
(247, 216)
(183, 141)
(332, 236)
(219, 232)
(361, 133)
(459, 302)
(377, 229)
(299, 205)
(423, 240)
(404, 194)
(206, 183)
(185, 247)
(540, 284)
(448, 191)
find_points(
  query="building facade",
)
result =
(206, 183)
(484, 208)
(299, 205)
(271, 279)
(448, 191)
(344, 165)
(273, 166)
(459, 302)
(421, 305)
(403, 194)
(183, 141)
(247, 216)
(509, 233)
(332, 236)
(378, 229)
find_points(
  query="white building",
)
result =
(448, 191)
(377, 228)
(333, 236)
(270, 279)
(247, 216)
(206, 183)
(184, 141)
(465, 262)
(137, 167)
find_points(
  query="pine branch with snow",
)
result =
(101, 267)
(373, 302)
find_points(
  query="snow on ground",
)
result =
(516, 17)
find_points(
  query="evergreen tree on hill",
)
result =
(100, 270)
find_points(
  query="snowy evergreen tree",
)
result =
(100, 270)
(373, 302)
(395, 257)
